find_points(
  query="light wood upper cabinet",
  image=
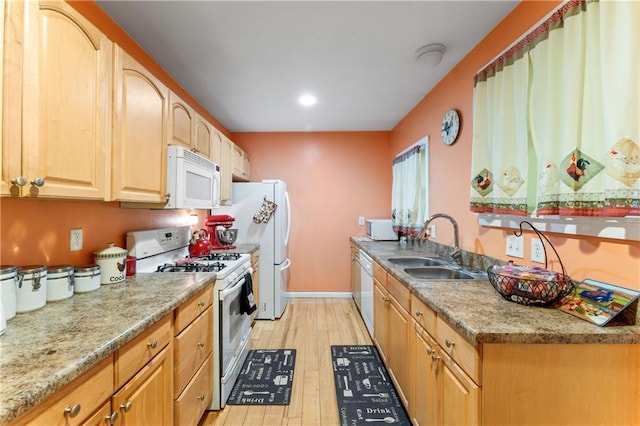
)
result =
(203, 140)
(140, 133)
(181, 122)
(241, 164)
(62, 98)
(226, 169)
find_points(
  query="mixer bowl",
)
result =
(226, 236)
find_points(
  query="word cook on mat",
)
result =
(266, 378)
(365, 393)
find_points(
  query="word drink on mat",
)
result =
(266, 378)
(365, 393)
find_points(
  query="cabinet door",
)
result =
(203, 142)
(67, 103)
(399, 338)
(181, 122)
(380, 320)
(147, 399)
(355, 278)
(226, 169)
(140, 133)
(425, 401)
(255, 278)
(11, 90)
(460, 395)
(216, 146)
(102, 417)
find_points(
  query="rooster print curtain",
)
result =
(582, 113)
(409, 196)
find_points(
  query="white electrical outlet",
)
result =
(537, 251)
(361, 220)
(75, 240)
(515, 246)
(432, 231)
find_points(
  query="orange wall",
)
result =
(332, 179)
(614, 261)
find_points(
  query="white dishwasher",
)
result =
(366, 291)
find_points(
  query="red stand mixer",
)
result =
(221, 235)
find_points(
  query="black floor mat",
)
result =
(366, 395)
(266, 378)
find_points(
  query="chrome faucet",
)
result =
(456, 256)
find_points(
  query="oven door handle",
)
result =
(232, 290)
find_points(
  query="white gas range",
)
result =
(167, 250)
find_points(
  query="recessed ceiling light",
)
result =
(307, 100)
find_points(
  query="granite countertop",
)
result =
(45, 349)
(476, 310)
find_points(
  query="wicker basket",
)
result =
(531, 285)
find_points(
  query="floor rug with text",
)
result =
(266, 378)
(365, 393)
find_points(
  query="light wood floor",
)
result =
(310, 326)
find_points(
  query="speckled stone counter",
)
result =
(47, 348)
(476, 310)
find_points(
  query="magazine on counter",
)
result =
(599, 303)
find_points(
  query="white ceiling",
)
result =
(247, 62)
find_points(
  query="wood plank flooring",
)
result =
(310, 326)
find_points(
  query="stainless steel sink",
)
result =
(417, 261)
(441, 273)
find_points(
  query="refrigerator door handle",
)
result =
(286, 238)
(285, 265)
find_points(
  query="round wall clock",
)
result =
(450, 127)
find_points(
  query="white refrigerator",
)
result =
(272, 235)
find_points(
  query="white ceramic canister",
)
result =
(86, 278)
(59, 282)
(9, 287)
(32, 288)
(113, 264)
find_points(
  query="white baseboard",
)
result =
(320, 295)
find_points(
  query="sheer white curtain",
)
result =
(558, 114)
(409, 196)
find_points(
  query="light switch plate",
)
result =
(515, 246)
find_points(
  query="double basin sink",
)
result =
(436, 268)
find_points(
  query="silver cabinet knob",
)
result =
(126, 407)
(112, 418)
(419, 313)
(201, 304)
(200, 397)
(72, 411)
(19, 181)
(38, 182)
(430, 351)
(201, 344)
(152, 344)
(434, 357)
(449, 343)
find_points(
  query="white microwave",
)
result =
(193, 181)
(381, 229)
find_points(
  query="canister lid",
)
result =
(7, 269)
(87, 271)
(32, 269)
(110, 252)
(59, 268)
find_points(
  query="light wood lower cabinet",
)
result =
(76, 402)
(392, 329)
(193, 345)
(146, 399)
(255, 278)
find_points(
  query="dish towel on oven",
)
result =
(247, 301)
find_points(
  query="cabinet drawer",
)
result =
(399, 292)
(191, 348)
(379, 274)
(195, 399)
(189, 310)
(424, 315)
(459, 349)
(140, 350)
(88, 392)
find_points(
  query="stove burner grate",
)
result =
(222, 256)
(191, 267)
